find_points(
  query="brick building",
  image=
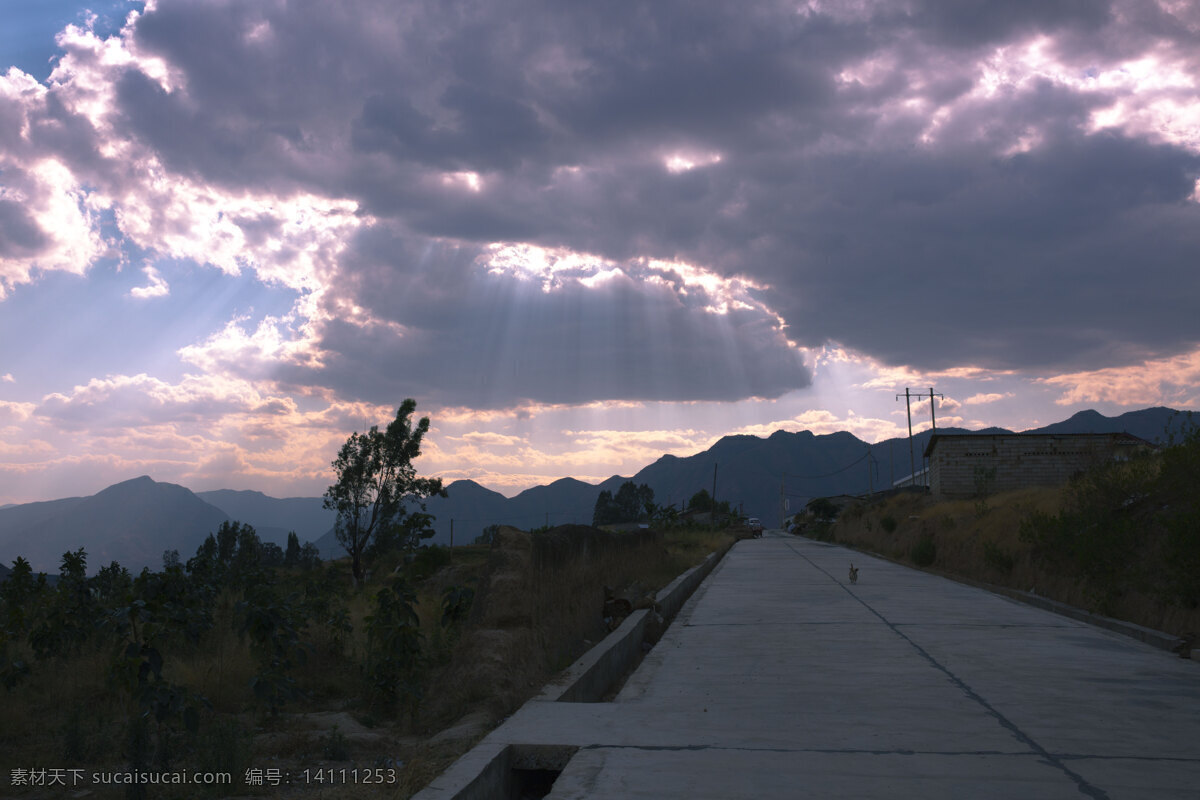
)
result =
(966, 464)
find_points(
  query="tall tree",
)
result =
(604, 513)
(292, 557)
(701, 501)
(631, 503)
(375, 478)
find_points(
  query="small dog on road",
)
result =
(853, 573)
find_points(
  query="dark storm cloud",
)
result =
(489, 131)
(1076, 253)
(969, 23)
(490, 340)
(846, 157)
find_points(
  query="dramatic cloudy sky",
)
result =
(580, 235)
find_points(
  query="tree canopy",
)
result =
(375, 478)
(631, 503)
(702, 501)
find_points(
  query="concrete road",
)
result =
(780, 679)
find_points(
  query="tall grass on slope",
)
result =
(1122, 540)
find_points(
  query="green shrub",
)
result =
(273, 625)
(1098, 535)
(997, 558)
(822, 508)
(822, 531)
(924, 552)
(1182, 584)
(889, 523)
(394, 647)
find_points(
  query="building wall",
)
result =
(960, 465)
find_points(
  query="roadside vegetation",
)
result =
(239, 666)
(252, 660)
(1121, 540)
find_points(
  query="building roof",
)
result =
(1124, 438)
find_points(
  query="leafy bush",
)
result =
(822, 531)
(338, 628)
(997, 558)
(72, 614)
(924, 552)
(142, 629)
(488, 536)
(394, 646)
(822, 508)
(1099, 534)
(1182, 584)
(1177, 486)
(20, 596)
(889, 523)
(273, 625)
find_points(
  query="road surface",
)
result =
(780, 679)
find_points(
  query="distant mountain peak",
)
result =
(744, 437)
(139, 486)
(238, 492)
(569, 481)
(132, 522)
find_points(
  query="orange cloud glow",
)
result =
(1165, 381)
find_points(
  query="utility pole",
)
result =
(933, 420)
(932, 413)
(912, 462)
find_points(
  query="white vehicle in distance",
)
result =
(755, 526)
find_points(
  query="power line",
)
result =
(857, 461)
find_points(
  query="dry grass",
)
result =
(220, 669)
(34, 727)
(980, 540)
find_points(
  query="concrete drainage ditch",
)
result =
(500, 769)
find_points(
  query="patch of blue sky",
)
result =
(62, 330)
(28, 28)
